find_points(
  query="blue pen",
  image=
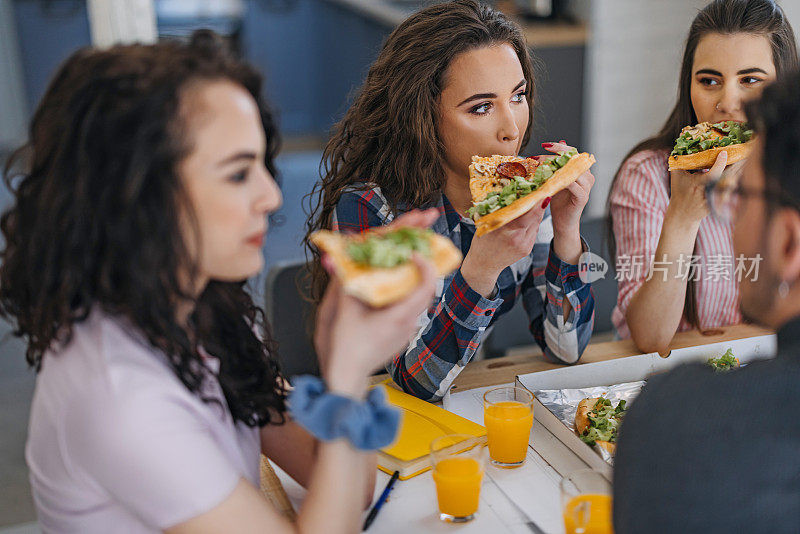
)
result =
(382, 499)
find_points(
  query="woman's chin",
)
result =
(240, 273)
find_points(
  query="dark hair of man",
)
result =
(776, 120)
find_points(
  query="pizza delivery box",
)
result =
(557, 387)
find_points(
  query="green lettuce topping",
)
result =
(519, 187)
(734, 133)
(726, 362)
(392, 248)
(604, 421)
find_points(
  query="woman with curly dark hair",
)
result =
(141, 207)
(455, 80)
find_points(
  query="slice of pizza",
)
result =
(376, 267)
(505, 187)
(697, 147)
(597, 422)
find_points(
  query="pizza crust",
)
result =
(582, 413)
(706, 158)
(607, 445)
(380, 286)
(562, 178)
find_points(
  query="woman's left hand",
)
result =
(567, 205)
(566, 208)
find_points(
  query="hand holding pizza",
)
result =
(489, 254)
(687, 190)
(566, 209)
(353, 339)
(505, 188)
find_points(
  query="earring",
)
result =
(783, 289)
(717, 106)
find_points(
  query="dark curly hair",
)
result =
(96, 218)
(390, 135)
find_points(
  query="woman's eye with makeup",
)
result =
(751, 80)
(519, 97)
(481, 109)
(709, 82)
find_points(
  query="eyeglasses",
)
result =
(725, 196)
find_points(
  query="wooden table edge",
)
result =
(526, 360)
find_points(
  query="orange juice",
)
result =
(595, 518)
(508, 426)
(458, 485)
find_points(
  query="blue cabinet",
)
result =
(316, 53)
(49, 31)
(313, 55)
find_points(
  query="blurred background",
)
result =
(606, 78)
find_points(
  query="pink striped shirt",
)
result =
(638, 204)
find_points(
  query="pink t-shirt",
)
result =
(117, 443)
(638, 204)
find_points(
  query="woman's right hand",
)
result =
(328, 310)
(687, 198)
(489, 254)
(361, 338)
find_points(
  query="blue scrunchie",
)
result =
(368, 425)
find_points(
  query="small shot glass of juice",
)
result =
(508, 417)
(586, 503)
(458, 462)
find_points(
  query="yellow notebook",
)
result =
(421, 423)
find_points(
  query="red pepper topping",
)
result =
(511, 169)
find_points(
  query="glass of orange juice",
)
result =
(458, 461)
(508, 417)
(586, 502)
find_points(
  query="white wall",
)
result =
(792, 10)
(633, 62)
(13, 110)
(122, 22)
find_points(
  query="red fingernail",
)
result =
(546, 203)
(547, 145)
(563, 142)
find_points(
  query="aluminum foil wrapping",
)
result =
(564, 402)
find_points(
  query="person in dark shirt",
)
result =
(705, 451)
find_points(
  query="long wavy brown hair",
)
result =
(390, 135)
(761, 17)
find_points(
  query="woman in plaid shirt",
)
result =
(452, 81)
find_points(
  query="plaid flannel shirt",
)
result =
(456, 322)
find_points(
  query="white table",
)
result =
(510, 498)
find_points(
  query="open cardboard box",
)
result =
(628, 369)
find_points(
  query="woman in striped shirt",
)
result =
(452, 81)
(734, 49)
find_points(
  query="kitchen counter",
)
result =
(538, 34)
(385, 13)
(555, 34)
